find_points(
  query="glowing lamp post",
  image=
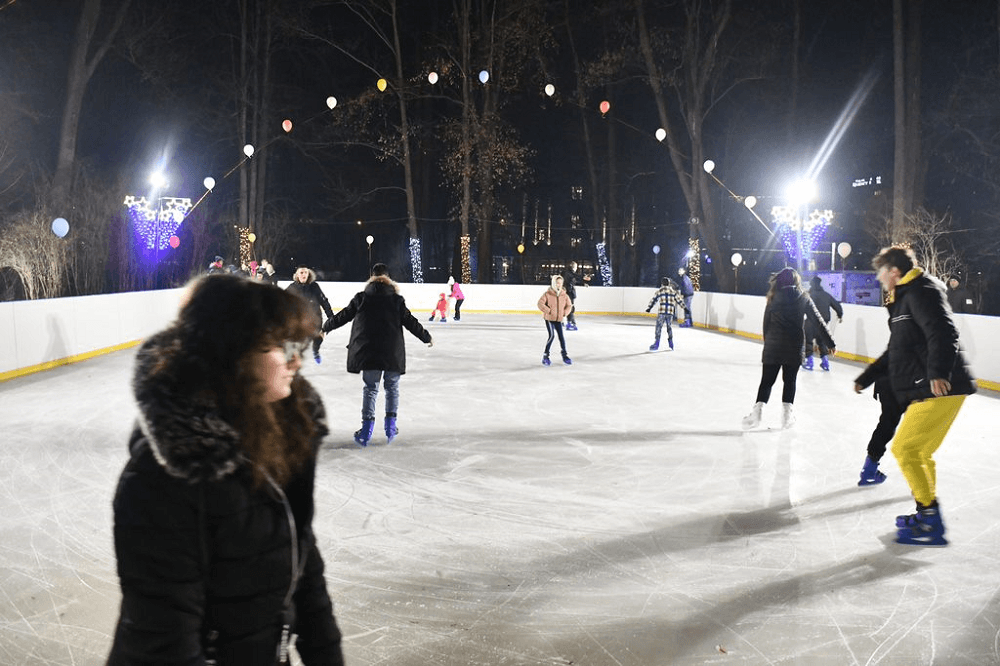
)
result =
(844, 250)
(736, 260)
(369, 239)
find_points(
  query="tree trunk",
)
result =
(899, 90)
(416, 268)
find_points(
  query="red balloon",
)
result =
(605, 106)
(174, 242)
(286, 125)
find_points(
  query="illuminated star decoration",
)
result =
(156, 236)
(800, 237)
(415, 261)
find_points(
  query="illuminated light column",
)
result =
(245, 243)
(603, 264)
(694, 263)
(416, 261)
(466, 268)
(155, 225)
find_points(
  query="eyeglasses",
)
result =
(294, 348)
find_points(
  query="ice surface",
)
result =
(611, 512)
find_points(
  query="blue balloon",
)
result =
(656, 249)
(60, 227)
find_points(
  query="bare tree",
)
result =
(30, 249)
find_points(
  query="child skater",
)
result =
(442, 307)
(555, 305)
(669, 299)
(784, 315)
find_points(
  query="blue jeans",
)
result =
(661, 321)
(390, 380)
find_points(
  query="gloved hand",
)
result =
(648, 309)
(840, 320)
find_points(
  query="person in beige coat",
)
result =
(555, 305)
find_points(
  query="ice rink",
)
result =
(608, 513)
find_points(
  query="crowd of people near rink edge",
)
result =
(216, 555)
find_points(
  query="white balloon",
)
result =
(844, 249)
(331, 101)
(484, 76)
(432, 77)
(709, 166)
(750, 202)
(661, 134)
(737, 258)
(248, 150)
(209, 183)
(369, 239)
(550, 90)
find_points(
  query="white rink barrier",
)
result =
(43, 334)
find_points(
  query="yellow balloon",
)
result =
(382, 85)
(520, 248)
(251, 237)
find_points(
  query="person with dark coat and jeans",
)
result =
(930, 379)
(304, 284)
(786, 310)
(823, 301)
(376, 348)
(571, 279)
(213, 512)
(958, 297)
(687, 293)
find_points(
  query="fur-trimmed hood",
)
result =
(184, 428)
(381, 284)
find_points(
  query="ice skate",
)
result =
(317, 357)
(752, 420)
(808, 363)
(824, 363)
(431, 319)
(443, 320)
(364, 434)
(654, 346)
(545, 360)
(566, 359)
(925, 528)
(870, 474)
(390, 427)
(671, 343)
(787, 416)
(570, 326)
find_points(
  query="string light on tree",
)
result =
(694, 263)
(603, 264)
(466, 267)
(245, 244)
(418, 271)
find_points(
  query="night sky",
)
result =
(159, 95)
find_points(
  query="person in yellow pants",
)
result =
(930, 378)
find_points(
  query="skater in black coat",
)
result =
(304, 285)
(824, 302)
(213, 512)
(376, 348)
(784, 315)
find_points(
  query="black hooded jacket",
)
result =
(205, 559)
(784, 318)
(379, 314)
(923, 343)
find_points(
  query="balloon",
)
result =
(209, 183)
(709, 166)
(369, 239)
(382, 84)
(844, 249)
(248, 150)
(750, 202)
(605, 106)
(286, 125)
(520, 248)
(656, 249)
(331, 102)
(432, 77)
(550, 90)
(174, 242)
(661, 134)
(736, 259)
(484, 76)
(251, 237)
(60, 227)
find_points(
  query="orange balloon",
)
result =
(605, 106)
(286, 125)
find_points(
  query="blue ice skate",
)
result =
(924, 528)
(364, 435)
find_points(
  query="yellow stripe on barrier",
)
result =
(76, 358)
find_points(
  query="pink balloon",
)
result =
(174, 242)
(286, 125)
(605, 106)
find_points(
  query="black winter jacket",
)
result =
(379, 314)
(784, 335)
(312, 292)
(923, 342)
(823, 301)
(205, 559)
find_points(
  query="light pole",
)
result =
(159, 182)
(369, 239)
(844, 250)
(736, 260)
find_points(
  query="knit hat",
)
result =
(816, 281)
(785, 278)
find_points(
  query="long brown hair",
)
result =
(224, 322)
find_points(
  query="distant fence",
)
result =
(42, 334)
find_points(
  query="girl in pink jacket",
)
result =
(456, 293)
(555, 305)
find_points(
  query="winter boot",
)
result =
(925, 528)
(545, 360)
(431, 319)
(566, 359)
(443, 320)
(671, 343)
(317, 357)
(824, 363)
(787, 416)
(654, 346)
(870, 474)
(808, 363)
(390, 427)
(752, 420)
(364, 435)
